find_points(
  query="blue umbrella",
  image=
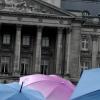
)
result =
(88, 87)
(14, 91)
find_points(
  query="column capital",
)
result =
(19, 26)
(94, 37)
(69, 29)
(39, 28)
(60, 28)
(0, 25)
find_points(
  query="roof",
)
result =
(93, 6)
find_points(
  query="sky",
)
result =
(93, 6)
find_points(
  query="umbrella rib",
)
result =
(44, 80)
(53, 90)
(21, 87)
(87, 94)
(14, 95)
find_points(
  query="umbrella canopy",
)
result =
(88, 87)
(51, 86)
(14, 91)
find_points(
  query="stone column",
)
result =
(74, 53)
(94, 51)
(38, 49)
(99, 43)
(16, 71)
(59, 51)
(67, 50)
(0, 41)
(0, 35)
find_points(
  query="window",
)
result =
(44, 66)
(84, 44)
(84, 66)
(5, 65)
(24, 66)
(6, 39)
(45, 42)
(26, 40)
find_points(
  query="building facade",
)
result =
(36, 37)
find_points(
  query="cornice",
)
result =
(34, 15)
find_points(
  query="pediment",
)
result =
(32, 6)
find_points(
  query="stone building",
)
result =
(37, 37)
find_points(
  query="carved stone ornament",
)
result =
(24, 6)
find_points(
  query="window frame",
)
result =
(85, 64)
(84, 44)
(24, 61)
(6, 39)
(5, 60)
(45, 42)
(44, 66)
(24, 42)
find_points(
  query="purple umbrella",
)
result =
(51, 86)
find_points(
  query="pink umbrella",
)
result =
(51, 86)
